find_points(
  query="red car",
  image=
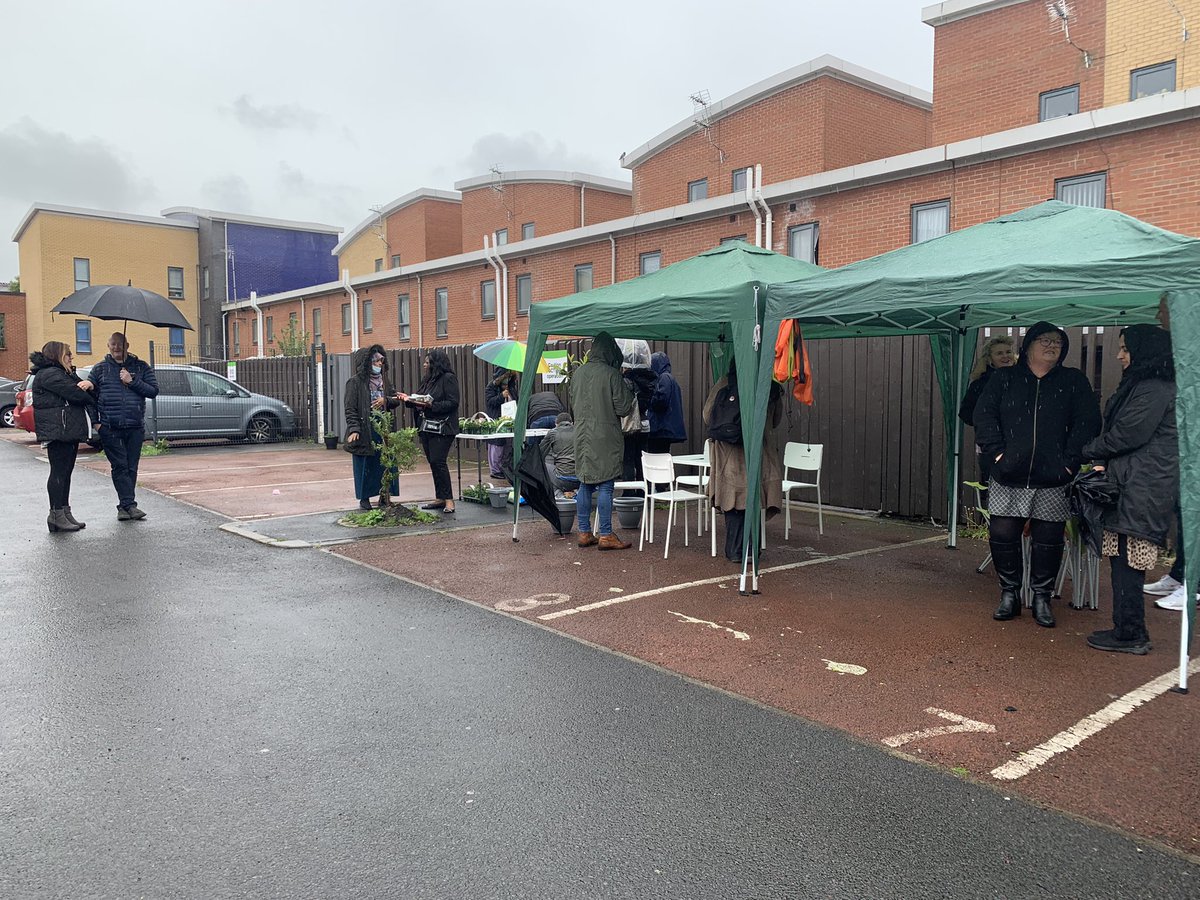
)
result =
(23, 414)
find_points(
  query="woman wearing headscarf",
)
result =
(368, 389)
(61, 406)
(1032, 422)
(500, 389)
(437, 423)
(997, 353)
(1139, 449)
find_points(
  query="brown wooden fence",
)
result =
(877, 410)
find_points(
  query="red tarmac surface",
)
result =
(912, 614)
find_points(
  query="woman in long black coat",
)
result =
(997, 353)
(437, 423)
(1140, 451)
(367, 390)
(61, 406)
(1032, 422)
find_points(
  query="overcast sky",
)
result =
(318, 111)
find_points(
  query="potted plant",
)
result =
(629, 511)
(567, 511)
(331, 440)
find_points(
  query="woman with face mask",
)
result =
(1140, 451)
(1032, 422)
(368, 389)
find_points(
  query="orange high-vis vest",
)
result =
(791, 361)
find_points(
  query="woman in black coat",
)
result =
(501, 389)
(1032, 422)
(436, 405)
(1140, 451)
(61, 406)
(368, 389)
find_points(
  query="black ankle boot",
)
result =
(1008, 560)
(1044, 561)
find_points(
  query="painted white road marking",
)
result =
(844, 668)
(1089, 725)
(964, 726)
(612, 601)
(527, 603)
(740, 635)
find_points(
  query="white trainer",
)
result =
(1176, 600)
(1163, 586)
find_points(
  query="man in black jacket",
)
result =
(123, 385)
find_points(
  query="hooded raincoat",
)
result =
(1040, 425)
(599, 398)
(666, 403)
(358, 400)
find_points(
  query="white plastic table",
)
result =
(479, 440)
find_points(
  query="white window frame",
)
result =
(524, 294)
(916, 212)
(441, 302)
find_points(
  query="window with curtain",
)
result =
(487, 299)
(441, 304)
(174, 282)
(1084, 190)
(83, 336)
(802, 242)
(175, 337)
(402, 316)
(930, 220)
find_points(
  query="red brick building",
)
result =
(14, 352)
(853, 163)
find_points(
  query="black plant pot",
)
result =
(331, 442)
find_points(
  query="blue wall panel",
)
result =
(273, 260)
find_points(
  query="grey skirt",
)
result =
(1049, 504)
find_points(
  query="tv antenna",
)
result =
(702, 117)
(1062, 14)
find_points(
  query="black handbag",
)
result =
(432, 426)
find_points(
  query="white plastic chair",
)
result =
(657, 468)
(699, 482)
(805, 458)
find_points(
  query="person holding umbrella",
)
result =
(1139, 451)
(123, 385)
(61, 405)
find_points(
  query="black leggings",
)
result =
(1008, 530)
(62, 463)
(437, 448)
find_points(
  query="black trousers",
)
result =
(1129, 606)
(62, 463)
(437, 448)
(735, 533)
(123, 447)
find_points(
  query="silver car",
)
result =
(195, 403)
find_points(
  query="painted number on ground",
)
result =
(962, 725)
(524, 604)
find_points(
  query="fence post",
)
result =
(317, 398)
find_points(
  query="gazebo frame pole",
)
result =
(956, 355)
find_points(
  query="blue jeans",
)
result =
(123, 447)
(604, 505)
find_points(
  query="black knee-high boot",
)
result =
(1007, 559)
(1044, 561)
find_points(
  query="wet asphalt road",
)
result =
(188, 714)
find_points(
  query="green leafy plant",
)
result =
(397, 450)
(291, 341)
(476, 492)
(384, 518)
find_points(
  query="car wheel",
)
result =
(262, 428)
(8, 416)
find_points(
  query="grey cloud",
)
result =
(335, 203)
(228, 192)
(526, 151)
(274, 118)
(54, 167)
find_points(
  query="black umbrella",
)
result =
(536, 486)
(119, 301)
(1092, 494)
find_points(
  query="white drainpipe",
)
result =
(487, 254)
(420, 315)
(612, 266)
(353, 309)
(753, 207)
(225, 333)
(582, 217)
(758, 195)
(258, 323)
(502, 294)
